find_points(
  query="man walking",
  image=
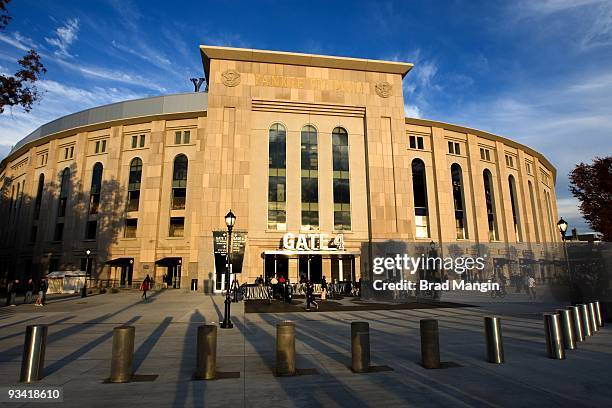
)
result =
(29, 290)
(12, 292)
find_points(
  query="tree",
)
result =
(591, 184)
(20, 89)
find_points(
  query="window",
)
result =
(142, 140)
(277, 150)
(177, 227)
(65, 153)
(485, 154)
(341, 184)
(490, 203)
(100, 146)
(310, 178)
(419, 191)
(457, 180)
(179, 182)
(416, 142)
(134, 184)
(97, 150)
(515, 209)
(71, 152)
(182, 137)
(509, 161)
(134, 142)
(103, 146)
(453, 148)
(58, 234)
(64, 187)
(534, 211)
(528, 167)
(39, 193)
(96, 186)
(131, 226)
(92, 227)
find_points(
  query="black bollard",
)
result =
(206, 355)
(33, 362)
(598, 313)
(430, 345)
(493, 337)
(593, 317)
(360, 346)
(567, 329)
(585, 319)
(554, 340)
(123, 354)
(575, 311)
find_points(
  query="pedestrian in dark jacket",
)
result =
(310, 296)
(29, 290)
(44, 286)
(12, 292)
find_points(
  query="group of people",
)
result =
(28, 288)
(281, 287)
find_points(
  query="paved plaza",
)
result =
(80, 337)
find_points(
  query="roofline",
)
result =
(485, 135)
(124, 112)
(209, 52)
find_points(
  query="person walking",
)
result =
(29, 290)
(146, 284)
(531, 283)
(12, 292)
(44, 286)
(323, 288)
(39, 297)
(310, 296)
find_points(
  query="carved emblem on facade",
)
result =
(230, 77)
(383, 89)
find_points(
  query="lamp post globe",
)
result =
(230, 220)
(562, 225)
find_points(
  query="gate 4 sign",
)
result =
(312, 242)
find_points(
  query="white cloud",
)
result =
(65, 36)
(18, 41)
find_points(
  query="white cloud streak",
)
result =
(65, 36)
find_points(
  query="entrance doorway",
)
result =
(173, 265)
(311, 268)
(343, 269)
(220, 268)
(276, 265)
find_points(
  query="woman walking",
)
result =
(145, 286)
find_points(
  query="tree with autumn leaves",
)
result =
(20, 89)
(591, 184)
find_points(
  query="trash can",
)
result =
(194, 285)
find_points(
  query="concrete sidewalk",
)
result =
(80, 337)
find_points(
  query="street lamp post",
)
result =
(230, 220)
(562, 225)
(84, 289)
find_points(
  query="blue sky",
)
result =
(539, 72)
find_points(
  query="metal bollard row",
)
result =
(430, 343)
(33, 362)
(206, 353)
(493, 337)
(285, 348)
(122, 358)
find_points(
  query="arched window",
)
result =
(515, 209)
(134, 184)
(179, 182)
(64, 190)
(534, 212)
(341, 184)
(310, 178)
(277, 181)
(39, 193)
(419, 191)
(490, 203)
(96, 186)
(551, 221)
(460, 219)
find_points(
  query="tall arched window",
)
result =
(310, 178)
(419, 191)
(96, 186)
(551, 221)
(39, 193)
(277, 182)
(490, 203)
(516, 220)
(179, 182)
(64, 190)
(341, 184)
(534, 212)
(460, 219)
(134, 184)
